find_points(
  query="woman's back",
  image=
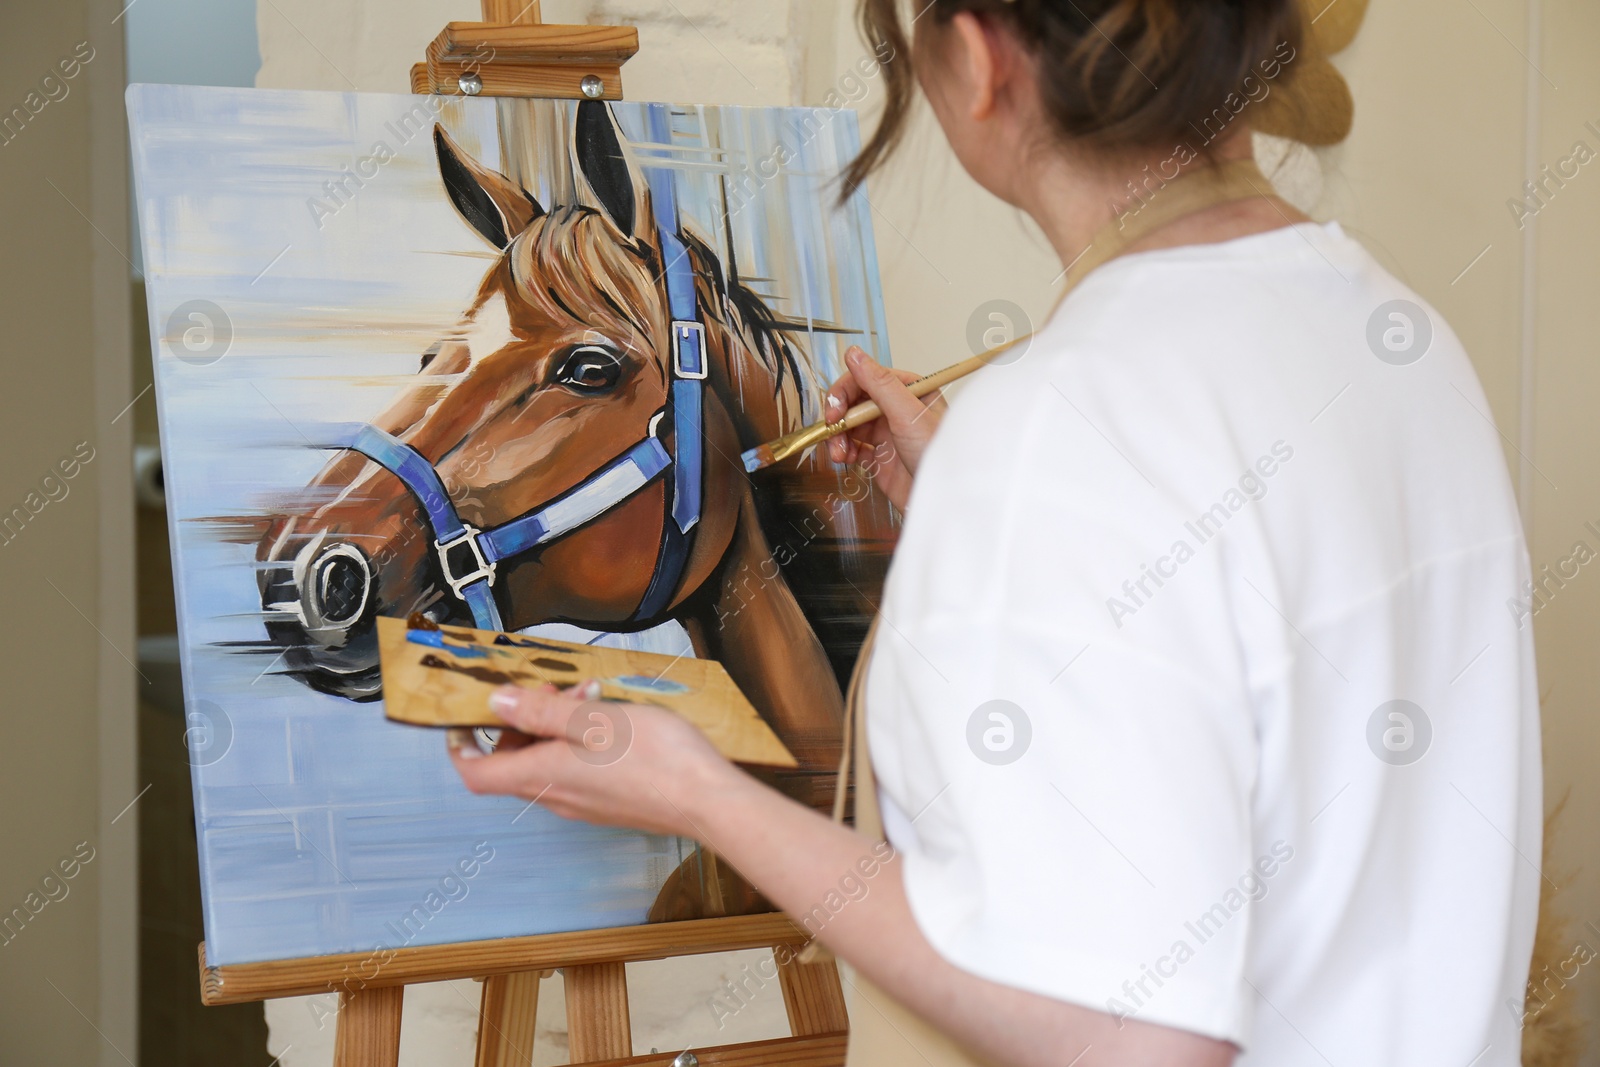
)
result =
(1207, 677)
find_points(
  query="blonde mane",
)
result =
(574, 264)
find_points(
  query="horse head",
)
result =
(566, 367)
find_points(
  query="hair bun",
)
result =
(1115, 75)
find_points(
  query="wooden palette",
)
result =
(444, 677)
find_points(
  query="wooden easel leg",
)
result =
(597, 1012)
(813, 997)
(368, 1032)
(507, 1018)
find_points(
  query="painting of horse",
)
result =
(640, 293)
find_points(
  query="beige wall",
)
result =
(66, 730)
(1565, 404)
(1450, 111)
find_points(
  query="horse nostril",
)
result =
(338, 587)
(343, 589)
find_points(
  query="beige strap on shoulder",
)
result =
(886, 1034)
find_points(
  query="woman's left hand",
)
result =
(599, 761)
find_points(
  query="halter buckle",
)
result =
(484, 568)
(689, 340)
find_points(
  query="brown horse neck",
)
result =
(753, 625)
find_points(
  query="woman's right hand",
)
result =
(890, 447)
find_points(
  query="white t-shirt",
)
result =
(1133, 708)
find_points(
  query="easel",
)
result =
(592, 963)
(511, 53)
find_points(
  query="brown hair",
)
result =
(1114, 74)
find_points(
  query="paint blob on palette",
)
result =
(443, 675)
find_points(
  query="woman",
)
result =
(1201, 729)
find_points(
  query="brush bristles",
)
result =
(791, 445)
(757, 458)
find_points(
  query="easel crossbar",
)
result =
(244, 983)
(827, 1050)
(566, 45)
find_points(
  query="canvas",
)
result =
(491, 361)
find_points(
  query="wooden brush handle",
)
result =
(797, 442)
(868, 410)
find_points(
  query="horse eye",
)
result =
(590, 369)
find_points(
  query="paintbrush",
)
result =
(867, 411)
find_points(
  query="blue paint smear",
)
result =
(647, 684)
(435, 639)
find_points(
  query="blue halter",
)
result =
(470, 557)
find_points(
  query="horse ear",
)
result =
(604, 164)
(494, 205)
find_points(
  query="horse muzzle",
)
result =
(320, 608)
